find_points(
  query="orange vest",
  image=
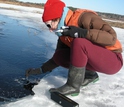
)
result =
(72, 19)
(116, 46)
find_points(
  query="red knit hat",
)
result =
(53, 9)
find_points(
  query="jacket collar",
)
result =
(62, 20)
(68, 17)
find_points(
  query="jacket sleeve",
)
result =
(49, 65)
(99, 31)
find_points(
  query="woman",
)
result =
(89, 44)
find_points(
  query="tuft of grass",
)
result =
(116, 24)
(15, 2)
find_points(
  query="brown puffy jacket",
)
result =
(99, 31)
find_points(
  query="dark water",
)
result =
(20, 49)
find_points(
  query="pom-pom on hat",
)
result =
(52, 9)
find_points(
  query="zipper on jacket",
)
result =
(66, 38)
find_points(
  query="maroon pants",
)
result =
(84, 53)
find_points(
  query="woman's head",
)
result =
(53, 10)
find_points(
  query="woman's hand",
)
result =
(75, 32)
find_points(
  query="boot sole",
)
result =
(75, 94)
(95, 80)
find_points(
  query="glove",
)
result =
(46, 67)
(74, 32)
(33, 71)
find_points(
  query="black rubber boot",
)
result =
(90, 77)
(72, 86)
